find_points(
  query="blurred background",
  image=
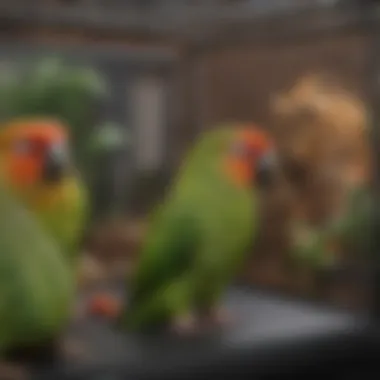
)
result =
(137, 81)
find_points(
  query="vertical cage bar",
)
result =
(375, 140)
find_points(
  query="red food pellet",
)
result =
(104, 305)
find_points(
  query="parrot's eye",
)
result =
(58, 151)
(22, 147)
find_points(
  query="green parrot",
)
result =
(199, 235)
(35, 165)
(35, 281)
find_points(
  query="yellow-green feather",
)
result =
(66, 217)
(62, 210)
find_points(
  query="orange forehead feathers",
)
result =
(43, 130)
(23, 170)
(256, 138)
(257, 143)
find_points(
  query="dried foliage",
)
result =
(321, 131)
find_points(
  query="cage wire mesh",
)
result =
(307, 74)
(242, 70)
(236, 63)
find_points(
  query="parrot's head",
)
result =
(250, 156)
(34, 153)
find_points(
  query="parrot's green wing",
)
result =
(35, 283)
(164, 262)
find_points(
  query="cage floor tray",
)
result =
(263, 323)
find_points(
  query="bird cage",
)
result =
(308, 75)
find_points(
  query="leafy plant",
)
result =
(71, 93)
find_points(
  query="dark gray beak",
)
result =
(266, 169)
(56, 164)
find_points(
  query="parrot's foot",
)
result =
(73, 349)
(218, 316)
(105, 305)
(185, 325)
(9, 371)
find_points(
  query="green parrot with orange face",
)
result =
(36, 166)
(199, 236)
(43, 210)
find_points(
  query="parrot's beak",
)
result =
(266, 169)
(56, 163)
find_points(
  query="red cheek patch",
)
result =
(239, 170)
(24, 171)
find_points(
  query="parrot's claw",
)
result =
(10, 371)
(73, 349)
(185, 325)
(218, 316)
